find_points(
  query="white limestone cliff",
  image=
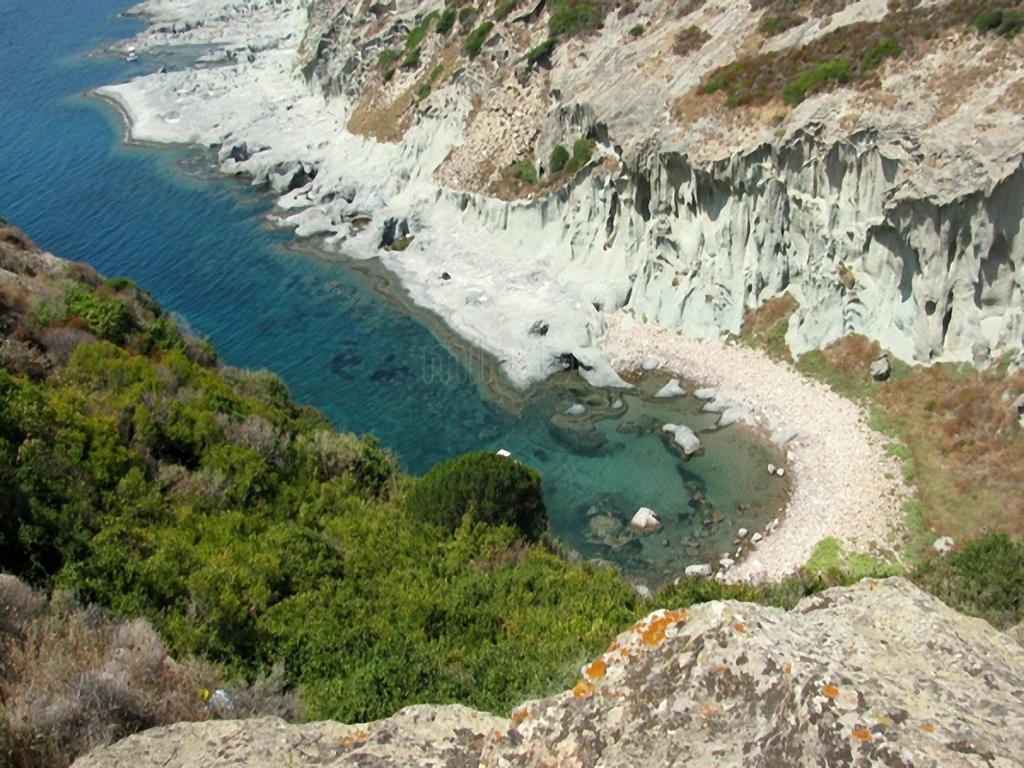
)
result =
(894, 214)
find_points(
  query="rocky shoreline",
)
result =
(838, 463)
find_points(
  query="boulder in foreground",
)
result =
(876, 674)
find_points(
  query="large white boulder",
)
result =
(672, 389)
(703, 570)
(684, 437)
(645, 520)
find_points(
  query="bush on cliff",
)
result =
(559, 157)
(985, 578)
(483, 487)
(477, 38)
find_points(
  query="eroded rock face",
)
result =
(875, 674)
(438, 737)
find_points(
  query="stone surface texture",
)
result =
(875, 674)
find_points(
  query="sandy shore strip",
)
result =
(839, 465)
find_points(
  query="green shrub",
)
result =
(571, 17)
(984, 578)
(814, 78)
(637, 30)
(116, 284)
(504, 9)
(477, 38)
(445, 21)
(488, 488)
(526, 172)
(415, 37)
(582, 152)
(717, 83)
(1003, 22)
(412, 59)
(771, 26)
(424, 90)
(387, 57)
(559, 157)
(886, 48)
(541, 51)
(107, 318)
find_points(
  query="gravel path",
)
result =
(839, 464)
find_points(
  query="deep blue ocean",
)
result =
(203, 249)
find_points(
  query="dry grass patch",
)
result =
(850, 55)
(75, 678)
(954, 427)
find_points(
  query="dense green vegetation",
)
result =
(1005, 22)
(541, 51)
(477, 38)
(582, 152)
(526, 171)
(813, 78)
(504, 9)
(445, 21)
(140, 476)
(559, 157)
(481, 488)
(851, 54)
(572, 17)
(248, 532)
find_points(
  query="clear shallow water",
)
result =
(204, 251)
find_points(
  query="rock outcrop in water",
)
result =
(875, 674)
(891, 207)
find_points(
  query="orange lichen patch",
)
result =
(710, 710)
(873, 584)
(721, 670)
(613, 647)
(740, 629)
(625, 653)
(354, 739)
(654, 632)
(861, 734)
(583, 689)
(831, 691)
(596, 670)
(498, 735)
(520, 716)
(928, 728)
(789, 669)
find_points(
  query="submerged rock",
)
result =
(577, 434)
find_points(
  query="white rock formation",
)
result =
(672, 389)
(894, 214)
(646, 521)
(684, 437)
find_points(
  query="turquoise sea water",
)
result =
(330, 332)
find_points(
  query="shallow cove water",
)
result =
(205, 252)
